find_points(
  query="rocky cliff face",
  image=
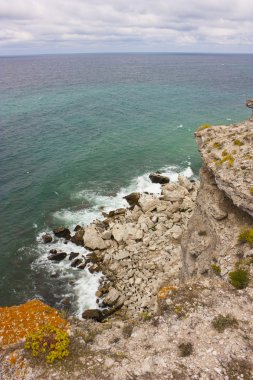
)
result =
(227, 151)
(224, 203)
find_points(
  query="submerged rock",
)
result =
(47, 238)
(58, 256)
(75, 263)
(73, 255)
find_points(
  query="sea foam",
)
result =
(83, 284)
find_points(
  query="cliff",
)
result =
(178, 278)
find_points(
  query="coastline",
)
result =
(168, 261)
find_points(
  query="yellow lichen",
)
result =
(166, 291)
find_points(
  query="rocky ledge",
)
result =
(227, 151)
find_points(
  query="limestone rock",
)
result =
(92, 238)
(112, 297)
(106, 235)
(227, 152)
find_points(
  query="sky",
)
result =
(86, 26)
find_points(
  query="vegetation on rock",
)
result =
(49, 342)
(221, 322)
(246, 236)
(239, 278)
(185, 349)
(216, 269)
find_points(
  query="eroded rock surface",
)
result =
(228, 152)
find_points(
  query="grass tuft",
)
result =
(221, 322)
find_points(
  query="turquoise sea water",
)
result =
(79, 131)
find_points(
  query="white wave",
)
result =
(85, 283)
(179, 126)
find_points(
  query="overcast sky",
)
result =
(82, 26)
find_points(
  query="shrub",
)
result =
(185, 349)
(239, 278)
(216, 269)
(246, 236)
(221, 322)
(48, 341)
(127, 330)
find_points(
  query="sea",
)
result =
(78, 132)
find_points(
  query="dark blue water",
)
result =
(75, 129)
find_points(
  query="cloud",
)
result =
(82, 25)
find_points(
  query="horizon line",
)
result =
(124, 53)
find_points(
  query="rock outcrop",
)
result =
(227, 151)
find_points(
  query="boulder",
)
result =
(62, 232)
(47, 238)
(57, 256)
(132, 199)
(95, 314)
(111, 297)
(92, 238)
(78, 237)
(53, 251)
(159, 178)
(174, 192)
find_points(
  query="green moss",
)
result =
(145, 315)
(216, 269)
(239, 278)
(238, 143)
(246, 236)
(50, 342)
(221, 322)
(185, 349)
(251, 191)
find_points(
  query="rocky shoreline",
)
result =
(137, 249)
(175, 301)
